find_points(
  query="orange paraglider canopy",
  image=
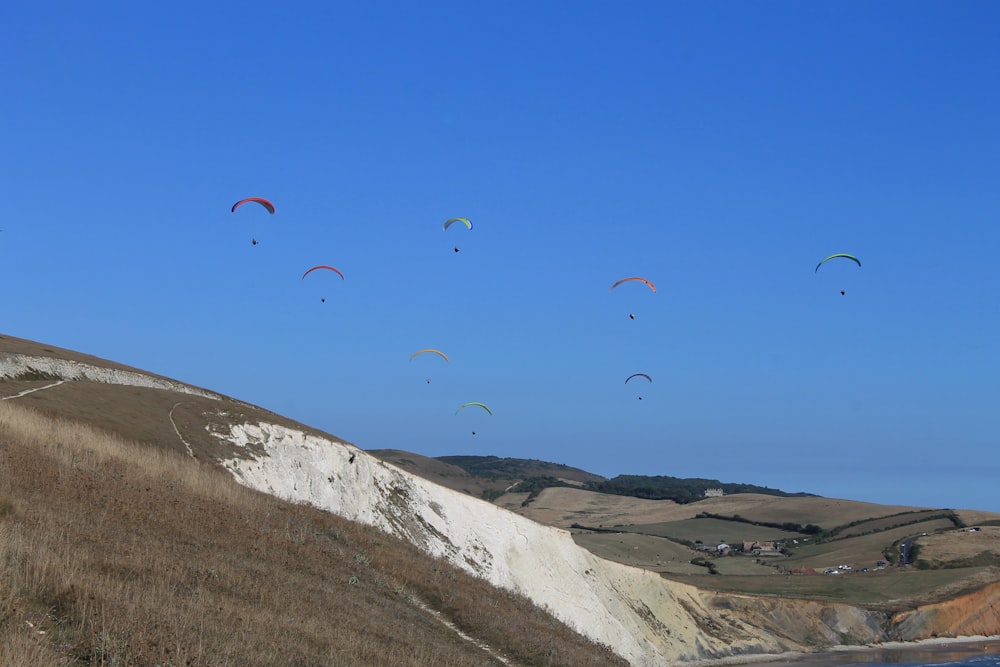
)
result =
(641, 280)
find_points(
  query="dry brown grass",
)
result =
(960, 545)
(116, 553)
(563, 506)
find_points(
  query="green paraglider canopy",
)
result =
(465, 221)
(839, 254)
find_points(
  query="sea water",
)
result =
(917, 658)
(972, 654)
(974, 661)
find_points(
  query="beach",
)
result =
(927, 651)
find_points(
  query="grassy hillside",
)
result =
(117, 547)
(678, 489)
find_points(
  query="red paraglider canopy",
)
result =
(260, 200)
(324, 266)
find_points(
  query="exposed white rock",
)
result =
(643, 618)
(14, 365)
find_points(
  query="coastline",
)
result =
(938, 649)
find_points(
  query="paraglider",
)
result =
(478, 405)
(450, 221)
(645, 282)
(327, 268)
(638, 375)
(642, 280)
(431, 351)
(259, 200)
(840, 254)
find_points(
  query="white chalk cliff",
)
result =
(644, 618)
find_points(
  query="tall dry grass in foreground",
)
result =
(113, 553)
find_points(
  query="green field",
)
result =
(662, 547)
(712, 531)
(911, 519)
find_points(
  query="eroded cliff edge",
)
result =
(645, 618)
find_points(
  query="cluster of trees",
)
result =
(537, 475)
(531, 485)
(681, 490)
(495, 467)
(789, 526)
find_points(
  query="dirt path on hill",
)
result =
(444, 621)
(187, 445)
(28, 391)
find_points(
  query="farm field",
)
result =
(563, 506)
(651, 553)
(712, 531)
(912, 519)
(948, 558)
(861, 551)
(960, 545)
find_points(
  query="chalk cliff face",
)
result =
(643, 617)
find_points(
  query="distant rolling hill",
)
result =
(484, 476)
(491, 476)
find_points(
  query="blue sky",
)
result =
(718, 149)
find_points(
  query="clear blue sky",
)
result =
(719, 149)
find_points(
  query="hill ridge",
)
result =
(30, 367)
